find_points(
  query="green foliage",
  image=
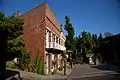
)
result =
(61, 28)
(16, 47)
(107, 34)
(11, 66)
(23, 60)
(100, 37)
(95, 39)
(13, 25)
(74, 46)
(70, 36)
(31, 68)
(87, 42)
(54, 71)
(39, 66)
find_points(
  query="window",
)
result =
(53, 36)
(47, 31)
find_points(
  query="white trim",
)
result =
(55, 41)
(52, 31)
(51, 36)
(47, 36)
(48, 28)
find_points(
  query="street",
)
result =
(102, 77)
(79, 72)
(91, 72)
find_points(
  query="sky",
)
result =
(95, 16)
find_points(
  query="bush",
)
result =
(39, 66)
(54, 71)
(11, 66)
(23, 61)
(60, 68)
(31, 68)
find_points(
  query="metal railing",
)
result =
(55, 46)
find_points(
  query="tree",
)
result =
(107, 34)
(75, 40)
(70, 33)
(96, 37)
(87, 44)
(74, 47)
(100, 37)
(69, 37)
(78, 43)
(61, 28)
(89, 34)
(13, 25)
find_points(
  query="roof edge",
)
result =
(45, 3)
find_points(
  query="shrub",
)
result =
(60, 68)
(39, 66)
(11, 66)
(54, 71)
(31, 68)
(23, 61)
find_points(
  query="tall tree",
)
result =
(100, 37)
(78, 43)
(89, 34)
(93, 37)
(87, 44)
(70, 33)
(96, 37)
(107, 34)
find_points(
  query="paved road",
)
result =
(79, 72)
(102, 77)
(90, 72)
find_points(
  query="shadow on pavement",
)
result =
(11, 74)
(102, 77)
(101, 67)
(107, 67)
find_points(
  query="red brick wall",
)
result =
(34, 31)
(52, 27)
(55, 23)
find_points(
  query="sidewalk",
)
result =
(34, 76)
(58, 76)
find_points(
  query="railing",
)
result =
(55, 46)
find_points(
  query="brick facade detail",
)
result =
(35, 23)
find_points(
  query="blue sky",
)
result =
(94, 16)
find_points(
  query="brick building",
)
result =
(42, 36)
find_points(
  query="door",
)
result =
(53, 61)
(47, 41)
(47, 63)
